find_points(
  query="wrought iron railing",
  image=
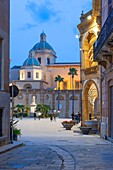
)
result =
(105, 32)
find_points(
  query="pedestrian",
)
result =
(34, 116)
(73, 117)
(16, 115)
(79, 116)
(39, 115)
(51, 117)
(90, 116)
(54, 115)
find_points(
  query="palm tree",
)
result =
(72, 72)
(59, 79)
(44, 109)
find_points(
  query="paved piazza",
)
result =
(48, 146)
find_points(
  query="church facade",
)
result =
(36, 77)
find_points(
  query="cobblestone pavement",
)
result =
(62, 150)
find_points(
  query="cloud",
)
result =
(42, 12)
(28, 26)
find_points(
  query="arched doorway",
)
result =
(88, 56)
(90, 101)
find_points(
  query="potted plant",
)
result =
(93, 124)
(67, 124)
(84, 129)
(16, 133)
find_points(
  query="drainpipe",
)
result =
(12, 114)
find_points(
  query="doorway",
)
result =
(90, 101)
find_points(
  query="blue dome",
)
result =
(42, 45)
(31, 62)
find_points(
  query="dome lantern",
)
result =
(42, 45)
(43, 36)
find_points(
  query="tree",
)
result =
(20, 107)
(59, 79)
(21, 110)
(44, 109)
(72, 72)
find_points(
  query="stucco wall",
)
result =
(4, 94)
(63, 72)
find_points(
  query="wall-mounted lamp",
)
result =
(89, 17)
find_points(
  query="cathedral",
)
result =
(35, 79)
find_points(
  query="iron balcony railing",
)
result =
(105, 32)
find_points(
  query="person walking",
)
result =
(79, 116)
(34, 116)
(73, 116)
(51, 117)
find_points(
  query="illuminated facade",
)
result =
(90, 70)
(37, 78)
(103, 53)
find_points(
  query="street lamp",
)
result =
(78, 36)
(13, 93)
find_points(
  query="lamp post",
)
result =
(13, 93)
(80, 49)
(12, 115)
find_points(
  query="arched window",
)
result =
(61, 97)
(75, 97)
(27, 86)
(88, 49)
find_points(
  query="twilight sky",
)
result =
(58, 19)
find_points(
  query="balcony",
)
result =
(90, 73)
(91, 70)
(105, 38)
